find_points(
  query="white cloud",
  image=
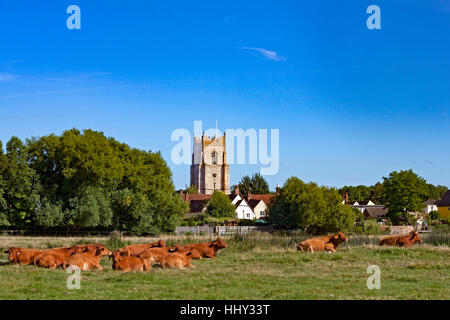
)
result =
(268, 54)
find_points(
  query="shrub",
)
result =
(434, 215)
(220, 205)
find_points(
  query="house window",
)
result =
(214, 157)
(248, 215)
(262, 213)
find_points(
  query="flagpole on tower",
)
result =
(216, 129)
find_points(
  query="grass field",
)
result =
(252, 267)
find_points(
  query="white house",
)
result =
(430, 205)
(244, 211)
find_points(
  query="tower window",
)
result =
(214, 157)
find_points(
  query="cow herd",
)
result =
(136, 257)
(141, 257)
(331, 243)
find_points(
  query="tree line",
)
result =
(320, 209)
(83, 180)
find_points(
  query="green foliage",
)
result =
(436, 192)
(20, 184)
(255, 185)
(434, 215)
(191, 190)
(369, 227)
(310, 207)
(82, 180)
(374, 193)
(49, 215)
(405, 192)
(89, 209)
(220, 206)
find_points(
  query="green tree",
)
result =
(90, 209)
(21, 184)
(255, 184)
(88, 173)
(405, 192)
(310, 207)
(49, 215)
(4, 221)
(436, 192)
(337, 217)
(220, 206)
(191, 190)
(377, 193)
(358, 193)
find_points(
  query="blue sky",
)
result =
(351, 104)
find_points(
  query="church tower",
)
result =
(209, 169)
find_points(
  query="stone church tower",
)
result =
(209, 169)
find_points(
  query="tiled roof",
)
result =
(264, 197)
(445, 201)
(375, 212)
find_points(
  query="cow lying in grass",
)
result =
(180, 259)
(207, 249)
(155, 255)
(327, 243)
(135, 249)
(22, 255)
(126, 264)
(55, 257)
(401, 241)
(91, 248)
(87, 260)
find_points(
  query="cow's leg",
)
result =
(98, 266)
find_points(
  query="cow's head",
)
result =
(338, 238)
(161, 243)
(102, 251)
(218, 243)
(115, 255)
(13, 253)
(415, 237)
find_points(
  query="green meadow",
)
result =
(252, 267)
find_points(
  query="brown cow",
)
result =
(207, 249)
(154, 255)
(22, 255)
(92, 248)
(53, 258)
(181, 259)
(134, 250)
(401, 241)
(326, 243)
(121, 263)
(87, 260)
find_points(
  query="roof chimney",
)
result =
(236, 190)
(278, 190)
